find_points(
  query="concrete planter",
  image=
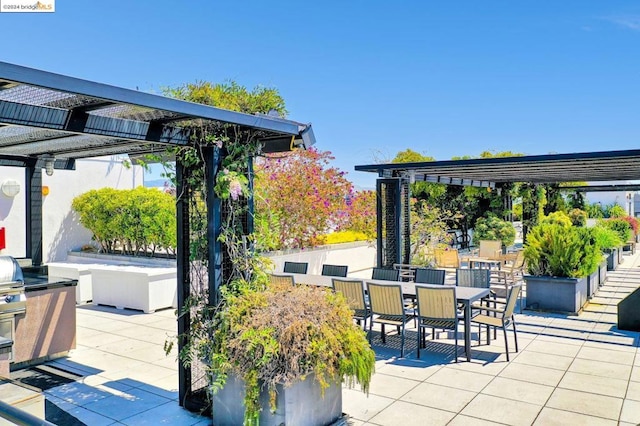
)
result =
(74, 271)
(603, 271)
(142, 283)
(612, 259)
(593, 282)
(556, 294)
(299, 404)
(620, 258)
(134, 287)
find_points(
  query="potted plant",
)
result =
(623, 229)
(608, 240)
(494, 228)
(559, 261)
(247, 334)
(634, 225)
(279, 354)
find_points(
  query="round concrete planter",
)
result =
(567, 295)
(299, 404)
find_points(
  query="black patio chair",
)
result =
(296, 267)
(385, 274)
(429, 276)
(335, 270)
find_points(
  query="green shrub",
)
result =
(578, 217)
(595, 211)
(517, 211)
(136, 221)
(344, 237)
(281, 335)
(615, 211)
(607, 238)
(559, 251)
(494, 228)
(558, 218)
(621, 226)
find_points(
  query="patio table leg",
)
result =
(467, 330)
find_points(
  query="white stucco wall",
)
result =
(360, 257)
(61, 230)
(12, 213)
(622, 198)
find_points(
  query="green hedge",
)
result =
(494, 228)
(137, 221)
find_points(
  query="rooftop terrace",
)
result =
(570, 370)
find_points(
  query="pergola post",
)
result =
(529, 211)
(507, 205)
(213, 161)
(393, 244)
(183, 275)
(33, 213)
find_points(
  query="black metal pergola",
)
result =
(48, 121)
(392, 185)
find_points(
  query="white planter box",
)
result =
(135, 287)
(74, 271)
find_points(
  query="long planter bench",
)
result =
(134, 287)
(141, 283)
(74, 271)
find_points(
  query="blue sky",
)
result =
(442, 78)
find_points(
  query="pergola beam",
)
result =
(78, 121)
(455, 181)
(602, 188)
(52, 81)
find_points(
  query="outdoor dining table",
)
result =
(464, 295)
(484, 261)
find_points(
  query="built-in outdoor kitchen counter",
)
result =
(46, 328)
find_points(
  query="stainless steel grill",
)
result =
(12, 298)
(13, 301)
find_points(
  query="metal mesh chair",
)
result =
(386, 302)
(335, 270)
(436, 308)
(385, 274)
(429, 276)
(406, 271)
(479, 278)
(500, 317)
(296, 267)
(509, 274)
(353, 291)
(446, 258)
(490, 249)
(281, 279)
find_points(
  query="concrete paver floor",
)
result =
(569, 370)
